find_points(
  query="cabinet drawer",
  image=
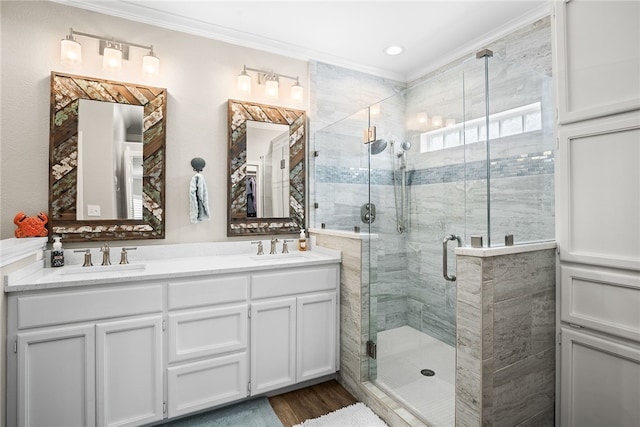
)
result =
(601, 299)
(209, 291)
(202, 385)
(207, 332)
(293, 281)
(79, 306)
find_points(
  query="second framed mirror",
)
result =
(266, 169)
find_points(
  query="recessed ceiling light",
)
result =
(393, 50)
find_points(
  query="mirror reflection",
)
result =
(109, 161)
(267, 170)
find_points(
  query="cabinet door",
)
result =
(316, 336)
(600, 381)
(273, 351)
(598, 183)
(56, 377)
(129, 371)
(597, 58)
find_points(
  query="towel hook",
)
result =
(197, 164)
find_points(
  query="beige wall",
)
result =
(198, 73)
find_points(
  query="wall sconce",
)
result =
(271, 80)
(113, 51)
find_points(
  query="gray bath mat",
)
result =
(251, 413)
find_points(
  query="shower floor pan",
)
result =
(402, 354)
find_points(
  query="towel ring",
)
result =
(197, 164)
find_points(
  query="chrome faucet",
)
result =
(273, 246)
(260, 247)
(285, 248)
(105, 254)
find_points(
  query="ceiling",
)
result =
(351, 34)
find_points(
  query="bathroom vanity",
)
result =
(168, 334)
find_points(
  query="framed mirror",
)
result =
(106, 159)
(266, 166)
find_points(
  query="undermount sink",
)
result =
(76, 269)
(292, 256)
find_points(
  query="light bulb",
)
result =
(244, 82)
(150, 65)
(112, 59)
(70, 51)
(272, 87)
(297, 92)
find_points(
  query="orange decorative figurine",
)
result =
(33, 226)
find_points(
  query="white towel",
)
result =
(198, 199)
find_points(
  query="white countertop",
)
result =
(161, 263)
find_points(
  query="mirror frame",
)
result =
(239, 112)
(66, 92)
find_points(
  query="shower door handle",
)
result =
(445, 241)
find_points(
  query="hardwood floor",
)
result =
(311, 402)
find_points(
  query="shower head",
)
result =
(378, 146)
(405, 145)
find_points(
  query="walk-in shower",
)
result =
(467, 151)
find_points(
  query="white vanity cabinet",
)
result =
(135, 351)
(78, 366)
(207, 342)
(294, 334)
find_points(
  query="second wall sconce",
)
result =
(113, 52)
(271, 81)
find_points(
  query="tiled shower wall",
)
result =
(445, 196)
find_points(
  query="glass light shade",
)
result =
(112, 59)
(422, 118)
(436, 121)
(297, 92)
(70, 52)
(244, 82)
(272, 88)
(150, 65)
(450, 123)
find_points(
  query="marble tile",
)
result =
(512, 330)
(545, 418)
(522, 274)
(543, 321)
(524, 389)
(487, 392)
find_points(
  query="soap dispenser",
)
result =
(302, 241)
(57, 254)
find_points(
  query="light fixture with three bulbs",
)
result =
(271, 80)
(113, 52)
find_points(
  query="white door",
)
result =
(56, 377)
(273, 345)
(129, 372)
(316, 336)
(600, 381)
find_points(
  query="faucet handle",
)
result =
(260, 247)
(285, 248)
(123, 255)
(87, 257)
